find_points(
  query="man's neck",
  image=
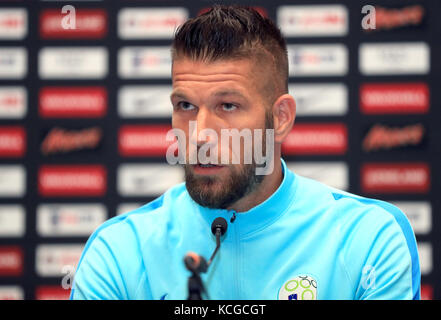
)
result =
(268, 186)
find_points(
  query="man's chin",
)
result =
(221, 191)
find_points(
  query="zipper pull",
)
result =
(233, 217)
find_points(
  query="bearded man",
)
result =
(288, 237)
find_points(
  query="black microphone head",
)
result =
(219, 223)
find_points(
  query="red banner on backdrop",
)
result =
(395, 178)
(315, 139)
(394, 98)
(11, 261)
(12, 141)
(143, 140)
(51, 293)
(89, 23)
(72, 102)
(71, 180)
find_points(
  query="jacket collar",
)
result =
(258, 217)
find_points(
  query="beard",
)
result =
(220, 192)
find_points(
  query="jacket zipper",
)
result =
(236, 264)
(233, 217)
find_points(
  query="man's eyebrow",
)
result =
(229, 93)
(177, 94)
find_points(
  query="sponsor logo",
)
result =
(13, 23)
(150, 23)
(425, 254)
(51, 293)
(72, 180)
(323, 138)
(394, 58)
(69, 219)
(11, 293)
(73, 63)
(307, 21)
(320, 99)
(52, 259)
(144, 62)
(12, 181)
(89, 23)
(333, 174)
(318, 60)
(302, 287)
(12, 141)
(394, 98)
(12, 221)
(147, 179)
(11, 261)
(60, 140)
(13, 102)
(419, 214)
(381, 137)
(144, 102)
(141, 140)
(13, 63)
(72, 102)
(392, 18)
(395, 178)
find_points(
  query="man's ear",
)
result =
(284, 114)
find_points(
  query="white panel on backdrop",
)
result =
(73, 63)
(314, 20)
(13, 102)
(12, 220)
(73, 219)
(12, 181)
(144, 62)
(13, 23)
(13, 63)
(140, 101)
(317, 60)
(320, 99)
(394, 58)
(150, 23)
(147, 179)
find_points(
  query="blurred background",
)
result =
(84, 109)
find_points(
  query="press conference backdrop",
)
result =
(84, 113)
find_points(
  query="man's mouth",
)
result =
(207, 168)
(207, 165)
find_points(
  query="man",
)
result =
(288, 237)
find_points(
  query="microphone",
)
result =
(218, 228)
(197, 263)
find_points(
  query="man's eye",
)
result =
(229, 107)
(185, 105)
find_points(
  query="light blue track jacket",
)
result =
(306, 241)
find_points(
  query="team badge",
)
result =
(302, 287)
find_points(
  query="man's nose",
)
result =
(205, 127)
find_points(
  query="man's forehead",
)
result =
(237, 66)
(242, 71)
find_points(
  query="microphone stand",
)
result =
(197, 264)
(195, 287)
